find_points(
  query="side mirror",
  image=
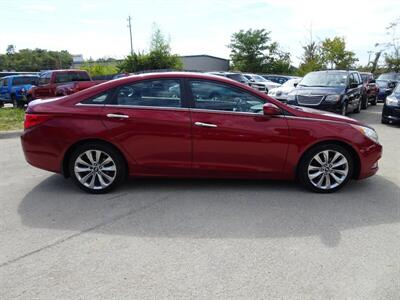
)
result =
(270, 109)
(391, 85)
(296, 84)
(353, 85)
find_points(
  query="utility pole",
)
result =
(130, 32)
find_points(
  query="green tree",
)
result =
(158, 57)
(98, 69)
(35, 60)
(253, 51)
(392, 59)
(335, 55)
(311, 59)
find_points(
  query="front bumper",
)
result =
(391, 114)
(369, 157)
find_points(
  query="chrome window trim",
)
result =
(225, 112)
(145, 107)
(86, 104)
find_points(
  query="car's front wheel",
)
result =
(97, 168)
(326, 168)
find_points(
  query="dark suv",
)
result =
(332, 90)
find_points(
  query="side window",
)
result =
(44, 78)
(158, 93)
(214, 96)
(5, 81)
(98, 99)
(1, 82)
(352, 80)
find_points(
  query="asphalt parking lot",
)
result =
(159, 238)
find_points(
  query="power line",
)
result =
(130, 33)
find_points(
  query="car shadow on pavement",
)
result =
(192, 208)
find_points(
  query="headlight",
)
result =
(392, 101)
(332, 98)
(368, 132)
(291, 97)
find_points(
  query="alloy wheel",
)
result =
(95, 169)
(328, 169)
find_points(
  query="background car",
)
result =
(239, 77)
(392, 76)
(61, 83)
(371, 88)
(332, 90)
(260, 83)
(281, 79)
(125, 127)
(391, 107)
(13, 89)
(386, 87)
(281, 93)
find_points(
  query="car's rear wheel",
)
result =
(97, 168)
(14, 101)
(326, 168)
(364, 102)
(375, 101)
(358, 108)
(343, 111)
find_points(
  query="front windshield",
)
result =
(259, 78)
(323, 79)
(237, 77)
(382, 83)
(389, 76)
(291, 82)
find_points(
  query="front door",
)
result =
(148, 120)
(231, 136)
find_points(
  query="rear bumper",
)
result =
(42, 155)
(391, 114)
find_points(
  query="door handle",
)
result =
(201, 124)
(117, 116)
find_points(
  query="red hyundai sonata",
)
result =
(193, 125)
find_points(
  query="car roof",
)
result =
(26, 75)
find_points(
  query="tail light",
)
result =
(34, 120)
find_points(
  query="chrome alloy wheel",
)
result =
(328, 169)
(95, 169)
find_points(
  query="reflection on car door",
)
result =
(353, 93)
(231, 136)
(147, 119)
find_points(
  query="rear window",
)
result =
(71, 77)
(25, 80)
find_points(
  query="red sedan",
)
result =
(193, 125)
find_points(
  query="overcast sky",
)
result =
(99, 28)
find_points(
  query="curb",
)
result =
(10, 134)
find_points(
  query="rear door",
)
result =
(148, 120)
(3, 88)
(231, 136)
(353, 93)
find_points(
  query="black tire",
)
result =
(364, 102)
(358, 108)
(307, 159)
(1, 104)
(117, 159)
(384, 121)
(375, 101)
(14, 101)
(343, 110)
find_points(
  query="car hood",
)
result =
(301, 90)
(311, 113)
